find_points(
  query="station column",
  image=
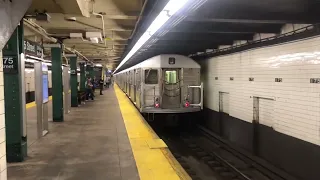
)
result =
(16, 138)
(82, 77)
(74, 81)
(57, 88)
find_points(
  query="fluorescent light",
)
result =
(169, 10)
(173, 6)
(98, 65)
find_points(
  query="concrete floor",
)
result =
(91, 144)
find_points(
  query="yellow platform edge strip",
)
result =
(152, 163)
(33, 103)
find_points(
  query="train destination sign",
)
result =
(172, 60)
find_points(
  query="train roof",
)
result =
(162, 61)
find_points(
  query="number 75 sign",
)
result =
(10, 64)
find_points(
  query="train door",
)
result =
(130, 83)
(127, 82)
(171, 92)
(134, 86)
(138, 87)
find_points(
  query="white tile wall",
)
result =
(3, 163)
(296, 107)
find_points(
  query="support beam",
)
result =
(74, 81)
(16, 141)
(57, 89)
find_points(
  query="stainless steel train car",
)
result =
(163, 84)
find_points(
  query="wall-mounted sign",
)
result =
(172, 60)
(32, 49)
(10, 64)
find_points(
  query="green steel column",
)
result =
(16, 140)
(74, 81)
(82, 77)
(57, 88)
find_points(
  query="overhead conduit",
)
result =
(35, 27)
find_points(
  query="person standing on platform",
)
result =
(89, 87)
(101, 82)
(111, 80)
(108, 81)
(93, 82)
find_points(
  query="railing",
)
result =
(201, 95)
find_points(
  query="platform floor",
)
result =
(91, 144)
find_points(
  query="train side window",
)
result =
(151, 76)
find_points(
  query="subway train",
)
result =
(30, 81)
(163, 84)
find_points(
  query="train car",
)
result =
(30, 81)
(163, 84)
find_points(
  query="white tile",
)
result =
(1, 79)
(2, 149)
(2, 121)
(3, 175)
(1, 91)
(2, 107)
(2, 135)
(3, 163)
(297, 104)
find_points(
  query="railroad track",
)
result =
(224, 162)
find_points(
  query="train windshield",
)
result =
(171, 77)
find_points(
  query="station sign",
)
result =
(33, 49)
(10, 64)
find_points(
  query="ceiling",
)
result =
(207, 24)
(120, 18)
(200, 26)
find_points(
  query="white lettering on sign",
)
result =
(30, 47)
(8, 66)
(8, 60)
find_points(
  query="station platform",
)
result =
(105, 139)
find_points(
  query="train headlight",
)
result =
(187, 104)
(157, 104)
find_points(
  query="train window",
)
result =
(171, 77)
(151, 76)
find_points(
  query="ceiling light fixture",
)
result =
(168, 11)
